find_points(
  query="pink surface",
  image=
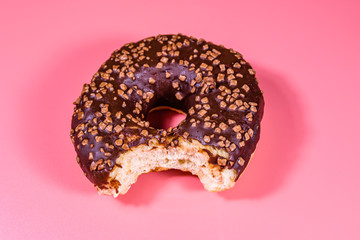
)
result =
(303, 182)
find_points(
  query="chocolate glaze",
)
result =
(215, 86)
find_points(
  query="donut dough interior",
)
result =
(188, 156)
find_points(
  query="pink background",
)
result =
(303, 182)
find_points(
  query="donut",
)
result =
(213, 86)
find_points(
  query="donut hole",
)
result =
(164, 117)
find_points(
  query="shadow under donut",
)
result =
(45, 117)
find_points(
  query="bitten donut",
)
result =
(214, 86)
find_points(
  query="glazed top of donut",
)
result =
(214, 86)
